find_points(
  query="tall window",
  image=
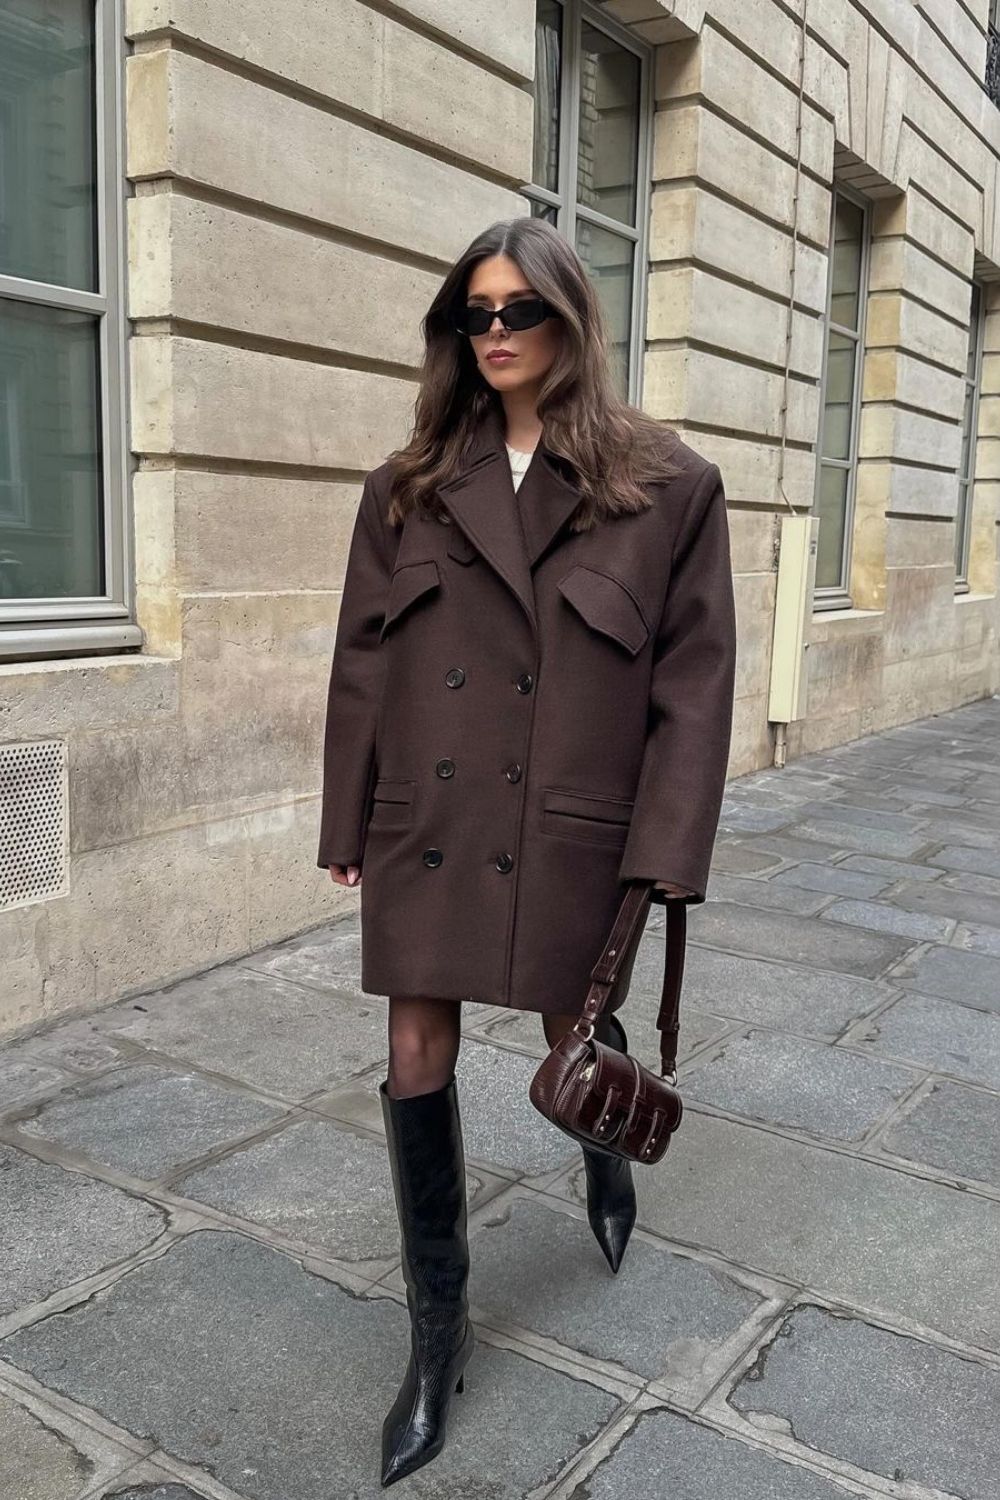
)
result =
(992, 79)
(592, 162)
(970, 425)
(843, 348)
(62, 462)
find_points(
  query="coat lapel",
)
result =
(510, 528)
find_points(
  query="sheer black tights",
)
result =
(424, 1037)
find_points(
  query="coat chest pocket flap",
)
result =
(606, 605)
(409, 582)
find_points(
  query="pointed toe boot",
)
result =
(611, 1204)
(427, 1159)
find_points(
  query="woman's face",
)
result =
(493, 283)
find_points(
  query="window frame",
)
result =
(32, 628)
(967, 482)
(564, 200)
(838, 596)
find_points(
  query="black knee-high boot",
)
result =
(427, 1158)
(611, 1205)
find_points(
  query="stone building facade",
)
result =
(791, 212)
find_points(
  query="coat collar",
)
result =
(510, 528)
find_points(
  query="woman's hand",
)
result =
(671, 889)
(345, 875)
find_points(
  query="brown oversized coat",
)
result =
(521, 718)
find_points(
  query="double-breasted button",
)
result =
(454, 677)
(445, 767)
(432, 857)
(525, 682)
(505, 862)
(513, 772)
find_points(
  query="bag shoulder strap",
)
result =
(632, 915)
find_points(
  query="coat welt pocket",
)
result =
(393, 789)
(581, 815)
(606, 605)
(392, 802)
(410, 581)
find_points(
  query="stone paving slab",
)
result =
(892, 869)
(57, 1227)
(321, 1185)
(662, 1317)
(953, 1128)
(953, 974)
(947, 1038)
(256, 1028)
(935, 1413)
(22, 1076)
(766, 894)
(144, 1119)
(771, 993)
(946, 901)
(501, 1125)
(864, 839)
(45, 1455)
(276, 1381)
(852, 1230)
(803, 1085)
(833, 879)
(804, 940)
(665, 1455)
(976, 861)
(882, 916)
(325, 958)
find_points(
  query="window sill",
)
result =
(846, 614)
(968, 597)
(60, 644)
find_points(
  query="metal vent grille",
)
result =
(32, 822)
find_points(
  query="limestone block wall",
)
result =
(300, 177)
(760, 109)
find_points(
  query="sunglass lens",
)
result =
(525, 314)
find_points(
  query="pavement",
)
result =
(201, 1293)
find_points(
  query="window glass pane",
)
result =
(47, 142)
(838, 404)
(845, 291)
(608, 259)
(970, 368)
(544, 211)
(50, 472)
(960, 525)
(548, 75)
(964, 465)
(832, 516)
(609, 126)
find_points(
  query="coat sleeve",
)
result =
(355, 689)
(683, 774)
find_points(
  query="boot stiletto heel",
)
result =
(611, 1203)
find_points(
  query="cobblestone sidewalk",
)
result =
(200, 1291)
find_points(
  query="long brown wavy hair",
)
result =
(611, 447)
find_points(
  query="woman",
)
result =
(530, 703)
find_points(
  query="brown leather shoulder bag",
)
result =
(603, 1098)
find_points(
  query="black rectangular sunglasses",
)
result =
(525, 313)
